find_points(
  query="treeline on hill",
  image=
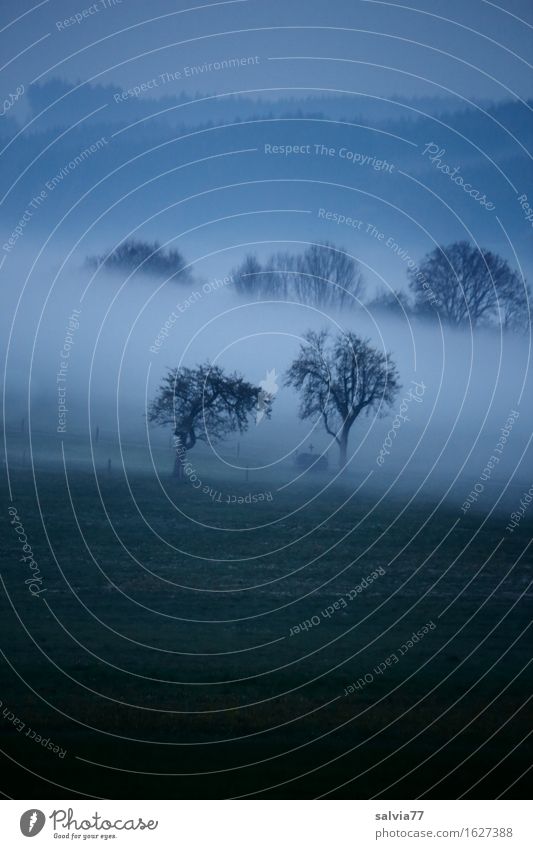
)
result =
(457, 284)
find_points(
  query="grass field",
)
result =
(160, 657)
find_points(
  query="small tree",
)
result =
(204, 403)
(338, 379)
(464, 284)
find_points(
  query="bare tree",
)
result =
(273, 280)
(281, 269)
(466, 285)
(204, 403)
(392, 301)
(339, 378)
(328, 276)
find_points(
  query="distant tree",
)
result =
(339, 378)
(273, 280)
(204, 403)
(280, 273)
(466, 285)
(246, 276)
(144, 257)
(327, 276)
(323, 275)
(515, 314)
